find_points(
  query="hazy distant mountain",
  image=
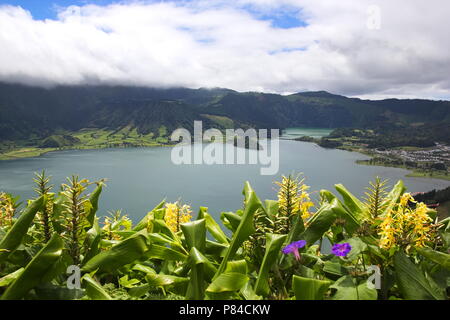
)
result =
(31, 111)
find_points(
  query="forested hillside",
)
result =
(38, 112)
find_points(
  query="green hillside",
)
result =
(31, 113)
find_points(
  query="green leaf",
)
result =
(231, 220)
(440, 258)
(148, 217)
(6, 280)
(320, 223)
(230, 281)
(20, 228)
(93, 289)
(358, 247)
(120, 254)
(93, 200)
(35, 270)
(392, 198)
(271, 208)
(93, 238)
(334, 268)
(274, 242)
(347, 289)
(411, 281)
(352, 203)
(239, 266)
(212, 226)
(161, 280)
(245, 228)
(309, 289)
(197, 258)
(195, 236)
(164, 253)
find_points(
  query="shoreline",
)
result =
(34, 152)
(411, 172)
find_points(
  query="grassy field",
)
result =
(92, 139)
(414, 172)
(25, 152)
(433, 174)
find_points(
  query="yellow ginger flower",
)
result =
(288, 196)
(6, 210)
(405, 199)
(405, 226)
(293, 197)
(176, 215)
(387, 231)
(304, 209)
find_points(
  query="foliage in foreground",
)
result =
(271, 250)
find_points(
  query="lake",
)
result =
(139, 178)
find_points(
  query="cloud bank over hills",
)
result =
(280, 46)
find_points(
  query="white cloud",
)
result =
(216, 44)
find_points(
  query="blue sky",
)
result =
(284, 17)
(46, 9)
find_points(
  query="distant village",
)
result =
(437, 157)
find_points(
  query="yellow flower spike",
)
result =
(176, 215)
(410, 227)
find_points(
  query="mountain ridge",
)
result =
(27, 111)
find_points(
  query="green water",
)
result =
(139, 178)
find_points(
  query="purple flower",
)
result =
(293, 248)
(341, 249)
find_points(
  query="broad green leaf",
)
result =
(197, 258)
(348, 289)
(49, 291)
(93, 200)
(334, 268)
(20, 228)
(239, 266)
(245, 228)
(352, 203)
(128, 283)
(274, 242)
(6, 280)
(195, 234)
(120, 254)
(412, 282)
(248, 293)
(35, 270)
(148, 217)
(144, 269)
(212, 226)
(392, 198)
(225, 282)
(93, 238)
(358, 247)
(164, 253)
(271, 208)
(93, 289)
(231, 220)
(440, 258)
(161, 280)
(309, 289)
(320, 223)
